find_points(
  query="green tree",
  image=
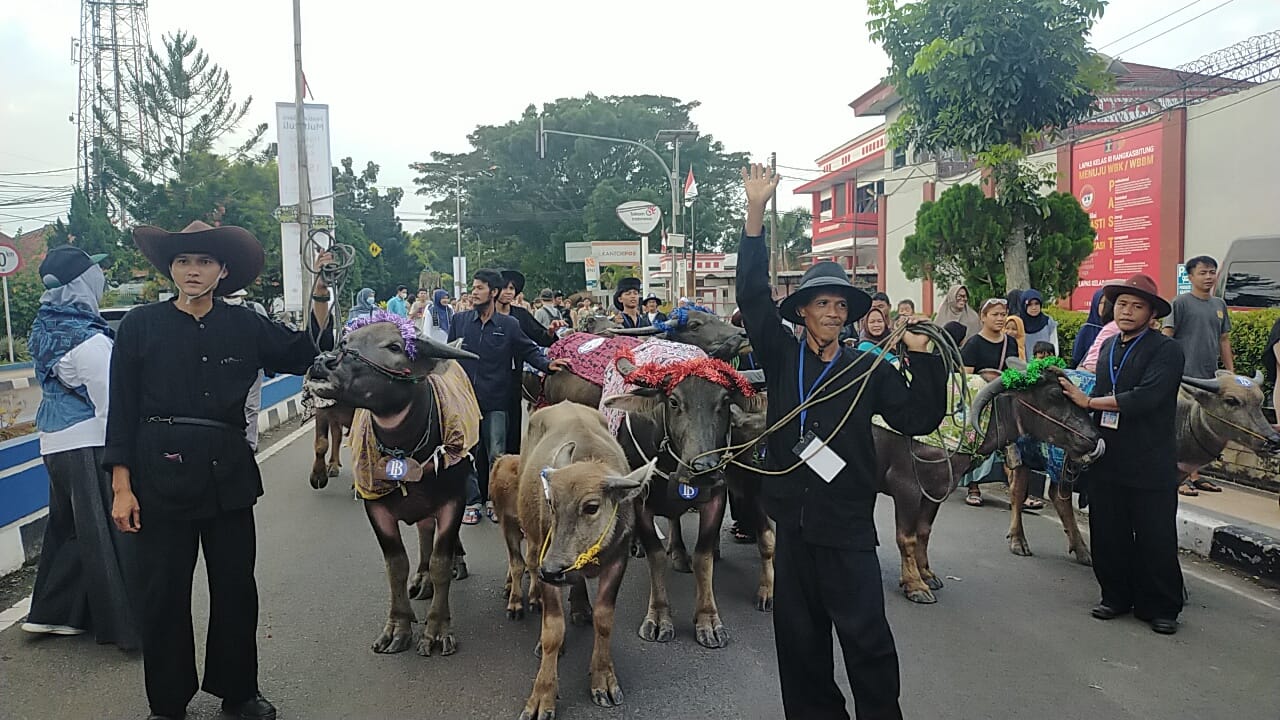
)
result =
(367, 214)
(960, 239)
(519, 210)
(89, 227)
(991, 79)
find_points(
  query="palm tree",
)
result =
(794, 237)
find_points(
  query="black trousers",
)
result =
(1135, 548)
(86, 563)
(817, 588)
(167, 554)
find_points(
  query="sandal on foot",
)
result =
(741, 536)
(1205, 485)
(1188, 490)
(973, 500)
(491, 513)
(1033, 504)
(471, 516)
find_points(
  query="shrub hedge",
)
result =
(1249, 332)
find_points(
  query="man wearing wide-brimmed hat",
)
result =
(1133, 489)
(183, 474)
(826, 571)
(626, 300)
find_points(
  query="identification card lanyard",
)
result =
(811, 449)
(1111, 418)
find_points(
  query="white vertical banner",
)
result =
(320, 177)
(591, 271)
(461, 283)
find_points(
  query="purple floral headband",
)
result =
(407, 330)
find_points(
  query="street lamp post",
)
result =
(457, 264)
(674, 137)
(541, 141)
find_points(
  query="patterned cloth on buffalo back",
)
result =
(661, 352)
(1054, 456)
(589, 355)
(459, 418)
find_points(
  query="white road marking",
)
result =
(19, 610)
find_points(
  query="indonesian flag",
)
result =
(690, 189)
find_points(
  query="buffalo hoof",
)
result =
(933, 581)
(319, 479)
(541, 706)
(460, 571)
(657, 631)
(444, 642)
(515, 613)
(581, 618)
(535, 605)
(396, 637)
(420, 588)
(1018, 546)
(333, 470)
(764, 603)
(922, 596)
(711, 634)
(1083, 556)
(605, 691)
(680, 562)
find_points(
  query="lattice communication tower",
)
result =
(111, 52)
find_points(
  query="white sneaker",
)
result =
(44, 629)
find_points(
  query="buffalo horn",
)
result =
(432, 348)
(1016, 363)
(625, 366)
(984, 396)
(1210, 384)
(637, 332)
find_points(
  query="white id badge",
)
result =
(821, 459)
(1110, 420)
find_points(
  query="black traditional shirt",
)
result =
(640, 321)
(1142, 451)
(837, 513)
(533, 329)
(167, 363)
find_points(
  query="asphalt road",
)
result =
(1010, 637)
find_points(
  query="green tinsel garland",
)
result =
(1022, 380)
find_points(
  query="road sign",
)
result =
(639, 216)
(10, 261)
(591, 268)
(1184, 280)
(577, 251)
(675, 240)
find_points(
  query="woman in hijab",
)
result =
(1089, 331)
(365, 305)
(875, 330)
(439, 315)
(956, 309)
(1039, 326)
(81, 583)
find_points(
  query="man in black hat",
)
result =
(652, 313)
(826, 571)
(626, 299)
(183, 475)
(513, 285)
(1133, 489)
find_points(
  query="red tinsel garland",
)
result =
(667, 376)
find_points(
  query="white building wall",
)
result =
(1232, 170)
(904, 188)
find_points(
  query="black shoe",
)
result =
(1106, 612)
(255, 708)
(167, 716)
(1164, 626)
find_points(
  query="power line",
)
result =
(1158, 20)
(41, 172)
(1175, 27)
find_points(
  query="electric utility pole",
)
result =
(773, 226)
(300, 124)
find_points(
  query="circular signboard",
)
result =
(10, 262)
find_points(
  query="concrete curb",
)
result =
(22, 539)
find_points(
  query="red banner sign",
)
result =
(1117, 181)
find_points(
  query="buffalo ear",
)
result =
(631, 485)
(563, 456)
(640, 400)
(757, 403)
(989, 374)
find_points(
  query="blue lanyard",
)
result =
(800, 383)
(1111, 365)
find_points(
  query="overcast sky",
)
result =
(405, 78)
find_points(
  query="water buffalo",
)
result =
(376, 368)
(1210, 413)
(574, 502)
(332, 419)
(683, 422)
(919, 476)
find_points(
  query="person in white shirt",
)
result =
(82, 581)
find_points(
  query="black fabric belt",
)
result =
(202, 422)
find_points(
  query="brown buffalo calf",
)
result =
(573, 502)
